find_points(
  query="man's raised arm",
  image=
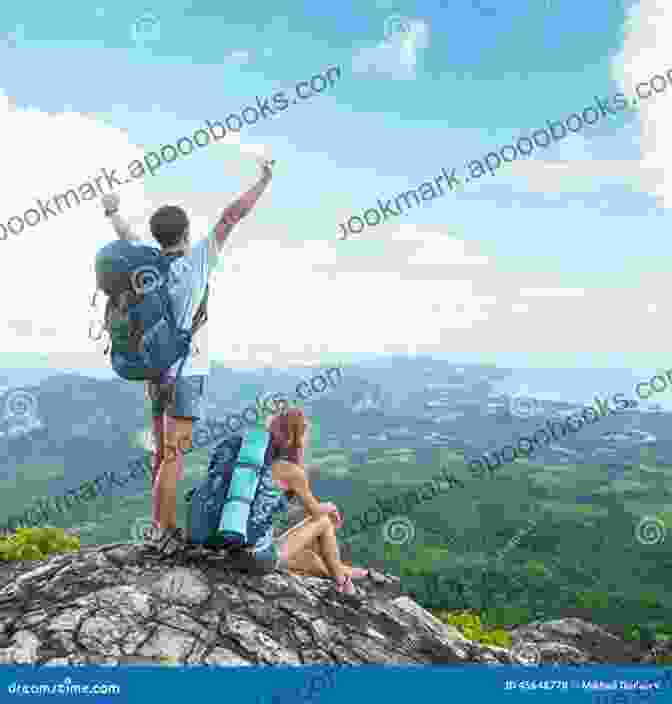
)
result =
(121, 227)
(241, 207)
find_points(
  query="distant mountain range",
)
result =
(90, 425)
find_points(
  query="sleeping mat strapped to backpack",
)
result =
(218, 512)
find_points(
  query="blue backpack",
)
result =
(218, 512)
(144, 336)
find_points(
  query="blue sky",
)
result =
(560, 259)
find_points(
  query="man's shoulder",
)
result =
(203, 256)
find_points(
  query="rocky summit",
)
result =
(115, 604)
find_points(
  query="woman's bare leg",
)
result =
(308, 562)
(321, 529)
(352, 572)
(311, 561)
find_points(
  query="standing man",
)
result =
(174, 413)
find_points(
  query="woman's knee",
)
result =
(326, 525)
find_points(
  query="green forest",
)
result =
(506, 549)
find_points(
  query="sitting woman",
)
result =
(311, 546)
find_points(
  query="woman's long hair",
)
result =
(289, 437)
(288, 431)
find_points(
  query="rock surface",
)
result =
(115, 604)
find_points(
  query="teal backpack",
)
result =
(218, 512)
(145, 339)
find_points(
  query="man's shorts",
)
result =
(187, 401)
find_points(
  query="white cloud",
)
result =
(283, 299)
(447, 251)
(397, 56)
(247, 150)
(47, 277)
(646, 52)
(48, 268)
(578, 176)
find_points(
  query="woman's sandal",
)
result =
(358, 573)
(344, 585)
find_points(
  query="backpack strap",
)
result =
(170, 313)
(200, 316)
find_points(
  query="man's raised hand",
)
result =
(111, 201)
(266, 166)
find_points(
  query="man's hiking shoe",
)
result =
(150, 537)
(170, 541)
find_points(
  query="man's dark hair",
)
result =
(168, 225)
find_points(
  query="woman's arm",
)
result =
(295, 478)
(297, 482)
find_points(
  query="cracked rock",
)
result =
(110, 606)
